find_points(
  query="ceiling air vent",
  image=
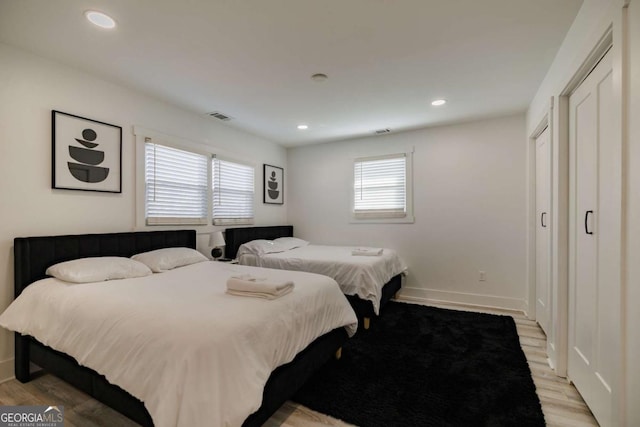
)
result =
(218, 115)
(381, 131)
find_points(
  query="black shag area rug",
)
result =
(426, 366)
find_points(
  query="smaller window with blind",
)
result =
(233, 192)
(380, 188)
(176, 186)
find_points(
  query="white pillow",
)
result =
(97, 269)
(260, 247)
(169, 258)
(291, 242)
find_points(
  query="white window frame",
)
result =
(143, 135)
(231, 221)
(177, 220)
(392, 217)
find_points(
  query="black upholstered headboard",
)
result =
(33, 255)
(234, 237)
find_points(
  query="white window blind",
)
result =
(176, 186)
(233, 192)
(380, 187)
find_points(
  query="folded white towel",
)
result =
(247, 285)
(248, 278)
(367, 252)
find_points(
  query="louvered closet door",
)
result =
(543, 204)
(593, 285)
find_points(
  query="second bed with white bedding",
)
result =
(363, 276)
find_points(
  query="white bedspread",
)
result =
(363, 276)
(193, 354)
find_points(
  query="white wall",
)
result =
(587, 28)
(469, 191)
(30, 87)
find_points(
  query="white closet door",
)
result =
(593, 285)
(543, 204)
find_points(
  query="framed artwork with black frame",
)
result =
(86, 154)
(273, 185)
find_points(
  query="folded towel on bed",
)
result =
(258, 287)
(367, 252)
(249, 278)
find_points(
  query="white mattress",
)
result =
(363, 276)
(193, 354)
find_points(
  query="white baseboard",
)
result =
(437, 296)
(6, 370)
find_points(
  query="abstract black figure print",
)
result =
(273, 185)
(87, 154)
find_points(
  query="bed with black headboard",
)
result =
(235, 237)
(34, 254)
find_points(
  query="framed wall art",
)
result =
(86, 154)
(273, 185)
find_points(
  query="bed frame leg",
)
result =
(339, 353)
(22, 368)
(366, 322)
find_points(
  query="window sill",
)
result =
(409, 219)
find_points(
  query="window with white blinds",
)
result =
(233, 192)
(380, 187)
(176, 186)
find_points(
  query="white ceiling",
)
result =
(252, 59)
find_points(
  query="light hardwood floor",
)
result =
(561, 403)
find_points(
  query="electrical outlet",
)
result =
(483, 276)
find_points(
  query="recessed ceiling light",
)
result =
(100, 19)
(303, 127)
(439, 102)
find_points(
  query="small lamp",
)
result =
(216, 239)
